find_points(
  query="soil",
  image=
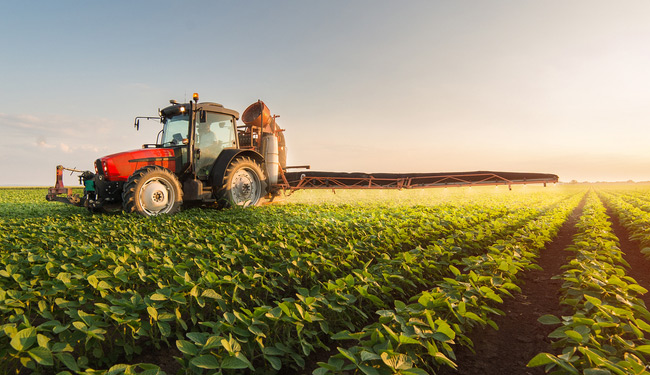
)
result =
(520, 336)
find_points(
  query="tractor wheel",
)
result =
(151, 191)
(244, 184)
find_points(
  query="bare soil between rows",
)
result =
(520, 336)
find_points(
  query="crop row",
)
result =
(634, 217)
(417, 336)
(78, 290)
(606, 332)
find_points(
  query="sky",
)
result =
(552, 86)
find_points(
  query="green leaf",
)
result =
(368, 356)
(68, 360)
(444, 328)
(596, 371)
(441, 358)
(643, 349)
(573, 335)
(212, 342)
(472, 316)
(403, 339)
(197, 337)
(549, 319)
(152, 312)
(42, 356)
(158, 297)
(187, 347)
(24, 339)
(346, 353)
(638, 288)
(230, 317)
(118, 369)
(235, 362)
(165, 329)
(42, 340)
(540, 359)
(643, 325)
(210, 293)
(275, 362)
(231, 345)
(594, 301)
(205, 361)
(397, 361)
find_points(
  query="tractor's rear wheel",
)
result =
(244, 184)
(151, 191)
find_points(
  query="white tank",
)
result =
(272, 157)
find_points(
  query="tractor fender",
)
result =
(224, 159)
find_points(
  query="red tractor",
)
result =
(200, 155)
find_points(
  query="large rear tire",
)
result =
(151, 191)
(244, 184)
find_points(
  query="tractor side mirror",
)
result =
(202, 116)
(136, 125)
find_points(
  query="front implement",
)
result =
(60, 193)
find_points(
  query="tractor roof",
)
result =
(175, 109)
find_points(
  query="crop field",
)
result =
(394, 282)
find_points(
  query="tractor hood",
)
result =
(118, 167)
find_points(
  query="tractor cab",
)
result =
(198, 132)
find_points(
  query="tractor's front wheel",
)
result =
(244, 184)
(151, 191)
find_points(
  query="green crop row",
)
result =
(418, 336)
(634, 217)
(606, 333)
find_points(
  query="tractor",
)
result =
(201, 155)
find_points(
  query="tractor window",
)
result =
(213, 135)
(175, 130)
(218, 128)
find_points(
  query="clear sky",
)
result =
(377, 86)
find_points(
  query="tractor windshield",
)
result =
(175, 130)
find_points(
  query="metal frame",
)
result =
(410, 182)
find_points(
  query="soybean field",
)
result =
(399, 282)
